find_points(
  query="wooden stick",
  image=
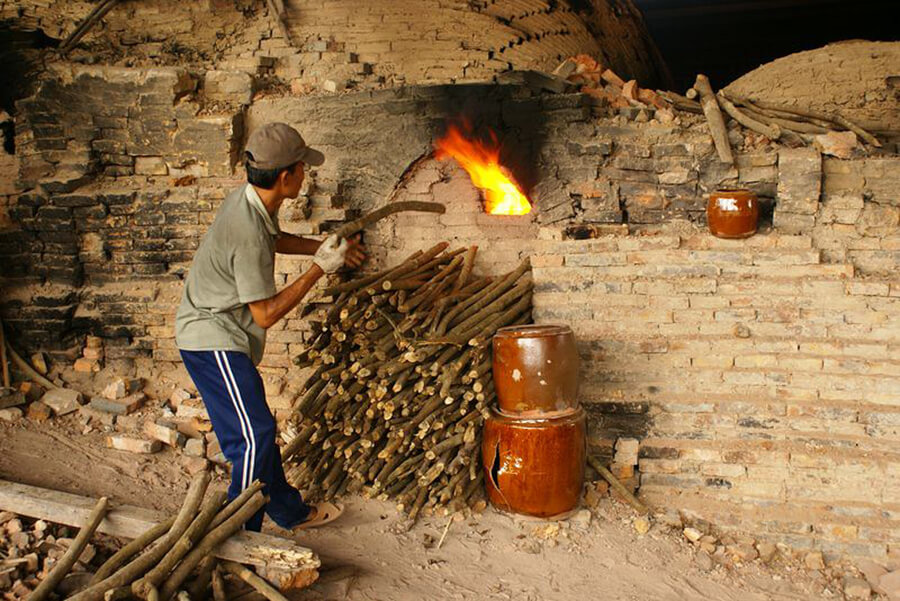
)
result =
(254, 580)
(348, 229)
(836, 118)
(614, 482)
(128, 551)
(29, 371)
(180, 547)
(771, 131)
(218, 585)
(280, 19)
(136, 568)
(3, 362)
(98, 13)
(236, 504)
(72, 554)
(202, 582)
(467, 269)
(130, 522)
(714, 118)
(210, 542)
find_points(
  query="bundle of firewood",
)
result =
(402, 381)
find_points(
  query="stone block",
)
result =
(123, 406)
(133, 445)
(150, 166)
(87, 366)
(92, 415)
(178, 396)
(39, 412)
(10, 397)
(195, 447)
(11, 414)
(122, 387)
(165, 432)
(793, 223)
(799, 180)
(62, 400)
(228, 86)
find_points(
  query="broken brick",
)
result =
(62, 400)
(124, 406)
(133, 445)
(165, 433)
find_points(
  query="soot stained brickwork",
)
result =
(760, 375)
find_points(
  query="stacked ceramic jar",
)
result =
(534, 441)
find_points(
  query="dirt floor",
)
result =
(372, 553)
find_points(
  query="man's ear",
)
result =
(282, 178)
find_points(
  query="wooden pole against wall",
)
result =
(5, 367)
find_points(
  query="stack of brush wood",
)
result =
(402, 380)
(173, 558)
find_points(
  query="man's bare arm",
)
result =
(289, 244)
(268, 311)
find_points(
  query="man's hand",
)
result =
(331, 254)
(356, 252)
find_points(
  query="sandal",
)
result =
(325, 514)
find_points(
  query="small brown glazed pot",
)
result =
(534, 466)
(732, 213)
(535, 368)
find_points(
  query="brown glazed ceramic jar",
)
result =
(534, 466)
(732, 213)
(535, 368)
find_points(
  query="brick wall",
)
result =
(354, 43)
(761, 376)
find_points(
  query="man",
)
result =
(230, 301)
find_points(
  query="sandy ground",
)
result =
(372, 553)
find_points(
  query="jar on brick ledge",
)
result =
(732, 213)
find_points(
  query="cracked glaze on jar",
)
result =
(534, 466)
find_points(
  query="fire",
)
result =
(481, 161)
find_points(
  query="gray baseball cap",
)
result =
(277, 145)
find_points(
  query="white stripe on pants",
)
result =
(246, 429)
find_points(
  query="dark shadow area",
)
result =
(727, 38)
(19, 55)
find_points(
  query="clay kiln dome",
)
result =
(379, 42)
(441, 40)
(860, 79)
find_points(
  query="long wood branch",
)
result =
(714, 118)
(348, 229)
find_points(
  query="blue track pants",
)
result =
(235, 399)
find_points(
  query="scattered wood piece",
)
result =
(714, 119)
(128, 521)
(85, 26)
(27, 369)
(348, 229)
(3, 360)
(614, 482)
(771, 131)
(247, 575)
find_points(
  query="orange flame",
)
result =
(502, 195)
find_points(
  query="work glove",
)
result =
(330, 256)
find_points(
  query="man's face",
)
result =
(293, 180)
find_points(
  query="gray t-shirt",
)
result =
(234, 266)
